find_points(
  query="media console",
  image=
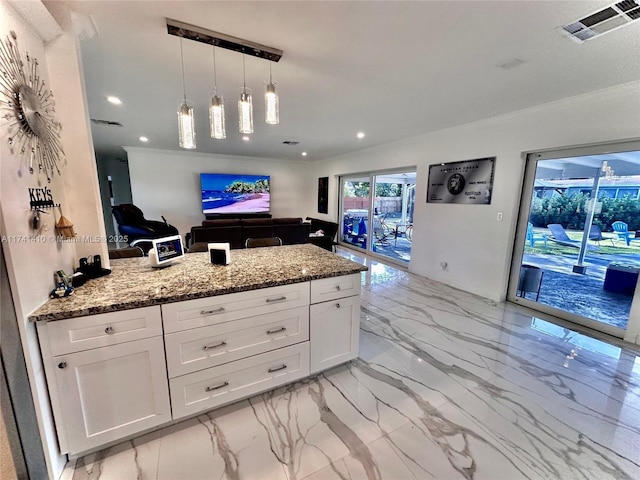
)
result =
(226, 216)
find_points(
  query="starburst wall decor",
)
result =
(28, 106)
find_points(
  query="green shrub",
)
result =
(569, 211)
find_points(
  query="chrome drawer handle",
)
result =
(338, 287)
(217, 387)
(277, 369)
(109, 330)
(211, 347)
(278, 330)
(212, 312)
(337, 305)
(279, 299)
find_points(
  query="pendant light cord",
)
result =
(270, 79)
(184, 87)
(215, 78)
(244, 75)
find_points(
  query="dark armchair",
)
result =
(328, 240)
(137, 229)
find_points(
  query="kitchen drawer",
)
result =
(226, 383)
(335, 287)
(204, 347)
(224, 308)
(84, 333)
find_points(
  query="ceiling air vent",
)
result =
(290, 142)
(107, 123)
(603, 21)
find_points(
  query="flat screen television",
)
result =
(230, 193)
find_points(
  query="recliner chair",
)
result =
(138, 230)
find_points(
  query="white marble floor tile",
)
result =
(448, 386)
(136, 459)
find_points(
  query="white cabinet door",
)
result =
(111, 392)
(334, 332)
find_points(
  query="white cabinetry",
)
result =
(103, 394)
(108, 378)
(335, 323)
(225, 348)
(232, 381)
(224, 308)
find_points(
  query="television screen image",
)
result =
(229, 193)
(165, 250)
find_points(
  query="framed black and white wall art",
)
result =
(469, 182)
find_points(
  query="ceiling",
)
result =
(389, 69)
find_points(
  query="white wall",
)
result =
(476, 247)
(31, 264)
(168, 183)
(81, 174)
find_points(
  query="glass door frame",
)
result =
(632, 332)
(371, 207)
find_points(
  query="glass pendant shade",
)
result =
(216, 117)
(271, 108)
(186, 125)
(245, 111)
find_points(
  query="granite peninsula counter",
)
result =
(144, 347)
(133, 283)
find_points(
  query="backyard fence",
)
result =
(383, 204)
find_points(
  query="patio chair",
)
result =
(622, 230)
(532, 237)
(595, 234)
(560, 237)
(381, 230)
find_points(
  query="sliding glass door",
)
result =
(356, 201)
(379, 219)
(577, 253)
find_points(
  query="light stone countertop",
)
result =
(133, 283)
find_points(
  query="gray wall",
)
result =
(17, 403)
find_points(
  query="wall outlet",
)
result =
(444, 265)
(499, 216)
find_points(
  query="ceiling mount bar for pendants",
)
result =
(198, 34)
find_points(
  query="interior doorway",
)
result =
(115, 189)
(577, 252)
(376, 213)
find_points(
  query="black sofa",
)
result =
(330, 229)
(236, 231)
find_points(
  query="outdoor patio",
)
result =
(582, 294)
(389, 239)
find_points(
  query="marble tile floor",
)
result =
(448, 386)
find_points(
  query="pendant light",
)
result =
(271, 108)
(186, 119)
(216, 109)
(245, 106)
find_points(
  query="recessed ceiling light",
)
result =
(246, 138)
(360, 135)
(304, 154)
(144, 139)
(114, 100)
